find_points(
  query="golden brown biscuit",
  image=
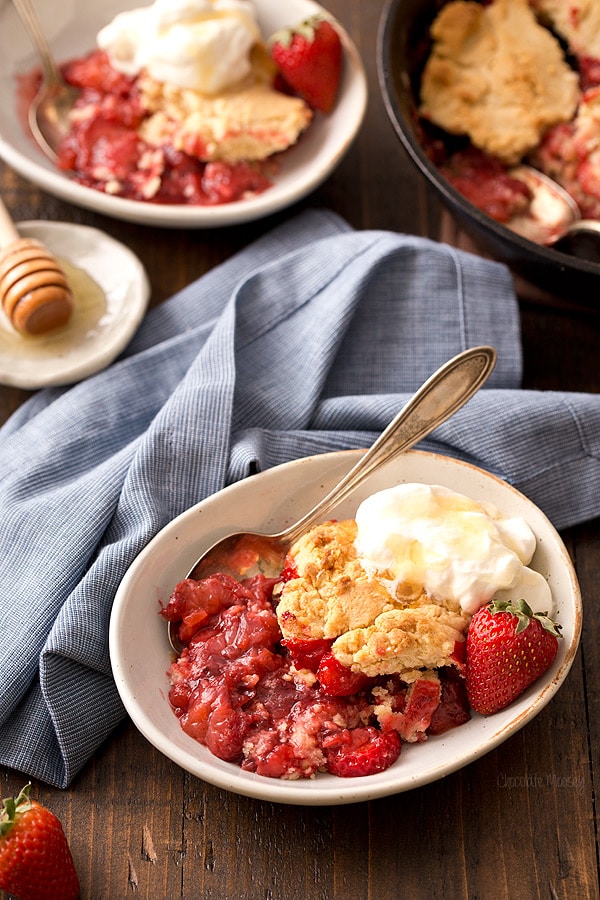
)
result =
(250, 122)
(496, 75)
(402, 641)
(379, 627)
(333, 593)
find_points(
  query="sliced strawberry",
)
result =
(94, 72)
(102, 145)
(309, 58)
(307, 654)
(338, 680)
(277, 762)
(289, 571)
(194, 602)
(484, 181)
(453, 709)
(224, 183)
(362, 751)
(422, 699)
(459, 655)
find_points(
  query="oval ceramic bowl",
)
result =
(71, 29)
(403, 28)
(269, 501)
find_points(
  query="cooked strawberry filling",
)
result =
(105, 151)
(485, 182)
(289, 709)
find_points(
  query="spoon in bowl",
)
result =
(554, 218)
(48, 114)
(446, 391)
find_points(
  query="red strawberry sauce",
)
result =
(236, 690)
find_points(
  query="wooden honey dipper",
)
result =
(34, 291)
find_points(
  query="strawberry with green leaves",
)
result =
(309, 57)
(35, 859)
(508, 648)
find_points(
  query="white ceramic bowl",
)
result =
(269, 501)
(71, 29)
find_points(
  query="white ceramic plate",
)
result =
(139, 648)
(71, 29)
(95, 335)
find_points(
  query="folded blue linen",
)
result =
(309, 340)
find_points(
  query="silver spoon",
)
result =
(48, 113)
(444, 392)
(554, 219)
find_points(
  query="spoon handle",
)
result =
(440, 397)
(30, 20)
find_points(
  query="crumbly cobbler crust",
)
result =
(404, 641)
(378, 627)
(496, 75)
(577, 21)
(333, 593)
(249, 121)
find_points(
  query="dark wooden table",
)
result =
(519, 823)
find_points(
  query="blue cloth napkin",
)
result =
(307, 341)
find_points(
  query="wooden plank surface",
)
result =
(520, 823)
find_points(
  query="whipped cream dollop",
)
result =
(454, 547)
(199, 44)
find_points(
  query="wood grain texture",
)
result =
(519, 823)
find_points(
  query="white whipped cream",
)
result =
(199, 44)
(454, 547)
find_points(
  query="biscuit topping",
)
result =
(496, 75)
(395, 589)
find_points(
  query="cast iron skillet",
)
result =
(401, 51)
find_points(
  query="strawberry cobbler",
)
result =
(180, 104)
(358, 647)
(498, 89)
(133, 137)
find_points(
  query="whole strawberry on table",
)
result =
(309, 57)
(508, 648)
(35, 859)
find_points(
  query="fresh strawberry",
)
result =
(309, 58)
(362, 751)
(508, 648)
(35, 860)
